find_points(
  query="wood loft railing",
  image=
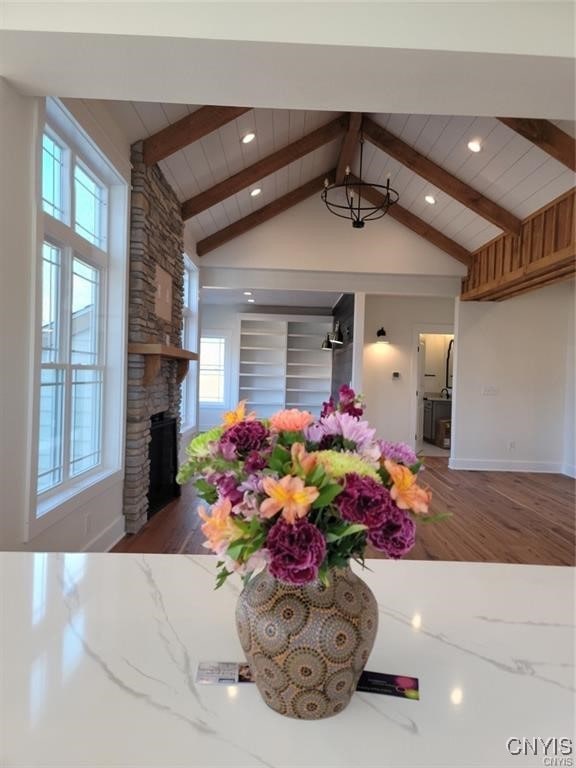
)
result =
(543, 253)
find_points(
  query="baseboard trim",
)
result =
(107, 538)
(499, 465)
(569, 469)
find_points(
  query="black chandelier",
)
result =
(349, 198)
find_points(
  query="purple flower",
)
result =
(243, 438)
(314, 433)
(254, 462)
(228, 488)
(399, 452)
(396, 536)
(358, 432)
(348, 402)
(328, 407)
(365, 501)
(296, 551)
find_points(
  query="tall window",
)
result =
(212, 389)
(188, 413)
(73, 279)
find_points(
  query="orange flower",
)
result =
(289, 495)
(219, 527)
(238, 414)
(405, 492)
(301, 459)
(291, 420)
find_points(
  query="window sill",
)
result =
(58, 506)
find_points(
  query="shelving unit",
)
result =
(282, 364)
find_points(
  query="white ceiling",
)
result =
(268, 298)
(509, 170)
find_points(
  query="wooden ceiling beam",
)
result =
(544, 134)
(256, 172)
(439, 177)
(262, 214)
(188, 130)
(349, 145)
(420, 227)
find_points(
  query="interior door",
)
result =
(421, 369)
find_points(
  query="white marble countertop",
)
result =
(99, 655)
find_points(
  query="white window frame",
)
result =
(191, 341)
(217, 333)
(56, 503)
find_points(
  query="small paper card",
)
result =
(391, 685)
(232, 673)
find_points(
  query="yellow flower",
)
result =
(219, 527)
(237, 415)
(289, 495)
(405, 492)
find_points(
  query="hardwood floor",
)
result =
(497, 517)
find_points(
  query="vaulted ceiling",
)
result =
(477, 195)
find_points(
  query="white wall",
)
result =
(514, 382)
(391, 403)
(308, 237)
(98, 523)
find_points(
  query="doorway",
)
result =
(434, 358)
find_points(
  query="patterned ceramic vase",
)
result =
(307, 645)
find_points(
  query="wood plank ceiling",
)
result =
(521, 167)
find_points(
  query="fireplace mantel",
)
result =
(153, 355)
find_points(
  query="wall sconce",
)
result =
(337, 337)
(381, 337)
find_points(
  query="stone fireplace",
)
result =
(156, 284)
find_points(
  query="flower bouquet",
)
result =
(301, 496)
(294, 499)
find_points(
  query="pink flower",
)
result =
(291, 420)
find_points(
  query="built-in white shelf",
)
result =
(282, 363)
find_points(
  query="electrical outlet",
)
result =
(490, 391)
(512, 445)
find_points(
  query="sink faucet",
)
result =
(445, 393)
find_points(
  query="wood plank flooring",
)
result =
(497, 517)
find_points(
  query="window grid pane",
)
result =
(51, 271)
(89, 208)
(212, 355)
(84, 331)
(85, 437)
(52, 172)
(50, 428)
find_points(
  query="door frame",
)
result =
(417, 329)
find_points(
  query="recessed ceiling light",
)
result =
(247, 293)
(251, 301)
(255, 192)
(474, 145)
(430, 199)
(248, 137)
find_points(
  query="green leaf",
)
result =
(279, 457)
(343, 531)
(235, 549)
(206, 491)
(316, 476)
(415, 468)
(221, 577)
(289, 438)
(327, 495)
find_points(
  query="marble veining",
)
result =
(100, 652)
